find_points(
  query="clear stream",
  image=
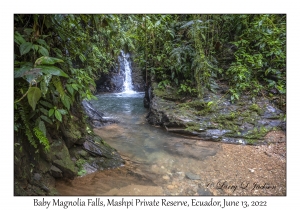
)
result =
(134, 137)
(162, 163)
(163, 158)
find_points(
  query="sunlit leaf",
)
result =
(51, 111)
(45, 60)
(58, 115)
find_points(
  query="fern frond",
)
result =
(42, 138)
(25, 120)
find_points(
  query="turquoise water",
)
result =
(135, 138)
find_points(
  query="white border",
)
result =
(8, 201)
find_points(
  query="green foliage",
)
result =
(79, 163)
(260, 56)
(58, 57)
(42, 138)
(22, 110)
(33, 95)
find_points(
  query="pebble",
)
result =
(166, 177)
(170, 187)
(251, 170)
(192, 176)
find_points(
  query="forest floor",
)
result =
(235, 170)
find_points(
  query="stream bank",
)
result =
(215, 117)
(74, 151)
(158, 162)
(233, 165)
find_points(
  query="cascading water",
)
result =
(128, 88)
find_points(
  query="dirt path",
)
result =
(234, 170)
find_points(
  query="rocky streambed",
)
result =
(170, 158)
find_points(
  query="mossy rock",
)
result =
(167, 93)
(71, 133)
(60, 157)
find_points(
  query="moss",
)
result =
(251, 141)
(79, 163)
(256, 108)
(257, 133)
(194, 126)
(198, 107)
(167, 93)
(99, 141)
(74, 130)
(222, 118)
(241, 103)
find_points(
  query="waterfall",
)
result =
(127, 85)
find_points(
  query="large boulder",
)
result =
(215, 118)
(59, 156)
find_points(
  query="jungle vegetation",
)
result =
(57, 59)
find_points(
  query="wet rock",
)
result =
(37, 177)
(89, 169)
(113, 81)
(244, 122)
(95, 117)
(192, 176)
(56, 172)
(107, 156)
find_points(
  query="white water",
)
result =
(128, 88)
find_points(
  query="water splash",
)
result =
(127, 85)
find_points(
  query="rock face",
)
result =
(111, 83)
(95, 117)
(59, 156)
(107, 157)
(114, 80)
(137, 78)
(215, 118)
(73, 152)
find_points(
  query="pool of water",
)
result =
(135, 138)
(164, 159)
